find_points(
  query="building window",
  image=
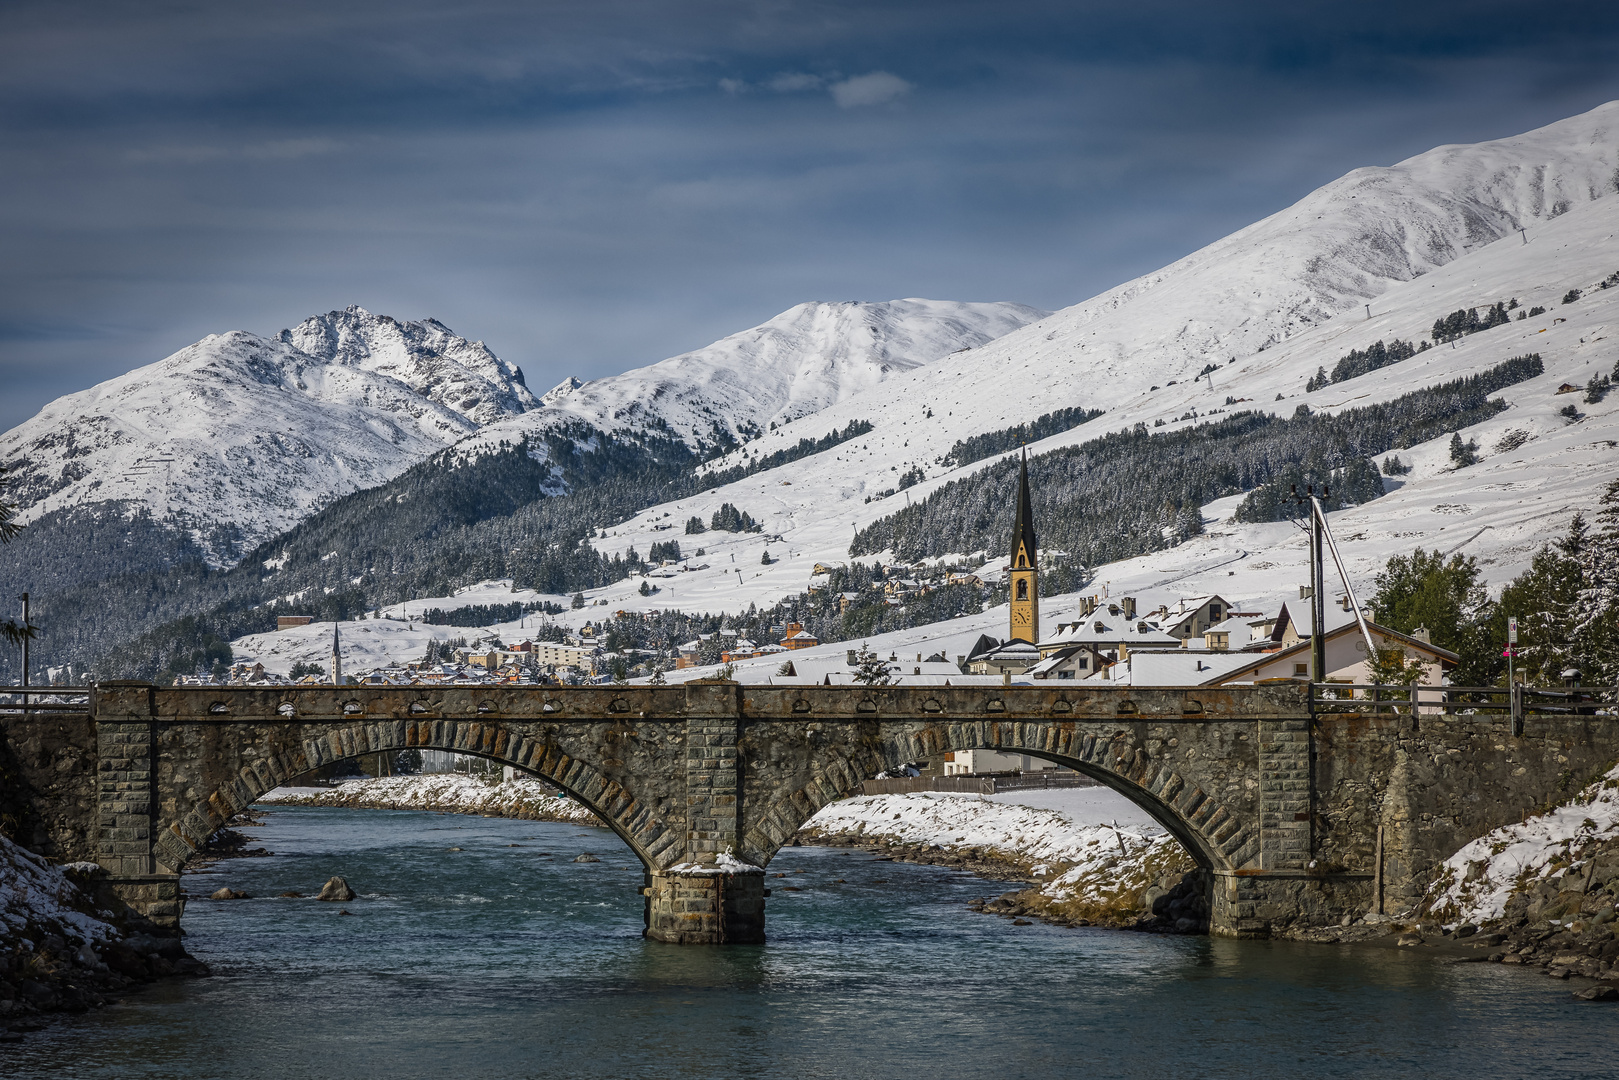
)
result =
(1214, 612)
(1301, 669)
(1023, 590)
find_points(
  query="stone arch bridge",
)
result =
(1299, 818)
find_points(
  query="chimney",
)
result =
(1129, 603)
(1423, 635)
(1343, 601)
(849, 657)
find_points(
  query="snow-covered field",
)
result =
(1475, 884)
(520, 797)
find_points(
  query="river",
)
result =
(507, 959)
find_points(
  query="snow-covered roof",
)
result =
(1104, 630)
(1180, 667)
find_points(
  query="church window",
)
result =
(1022, 590)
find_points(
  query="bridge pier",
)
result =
(698, 905)
(127, 803)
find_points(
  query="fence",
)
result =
(17, 700)
(986, 784)
(1517, 701)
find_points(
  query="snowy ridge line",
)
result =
(520, 797)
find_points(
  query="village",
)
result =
(1157, 641)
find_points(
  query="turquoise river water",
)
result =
(507, 959)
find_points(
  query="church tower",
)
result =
(1024, 575)
(337, 659)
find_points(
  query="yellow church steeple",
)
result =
(1024, 573)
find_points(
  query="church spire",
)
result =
(337, 658)
(1023, 545)
(1023, 573)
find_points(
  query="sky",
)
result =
(593, 186)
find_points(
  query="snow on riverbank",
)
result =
(1098, 856)
(1476, 883)
(521, 797)
(1097, 863)
(38, 898)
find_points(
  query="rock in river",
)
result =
(587, 857)
(228, 893)
(336, 889)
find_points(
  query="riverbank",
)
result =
(1540, 893)
(448, 793)
(67, 946)
(1084, 866)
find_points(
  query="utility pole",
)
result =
(25, 629)
(1318, 606)
(1368, 312)
(1512, 644)
(1318, 640)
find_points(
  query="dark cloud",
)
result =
(590, 186)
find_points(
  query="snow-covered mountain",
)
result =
(1266, 307)
(1339, 248)
(258, 432)
(461, 375)
(797, 364)
(1415, 241)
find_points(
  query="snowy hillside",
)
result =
(804, 360)
(1503, 508)
(1134, 350)
(1342, 246)
(259, 432)
(1538, 466)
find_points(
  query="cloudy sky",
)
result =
(590, 186)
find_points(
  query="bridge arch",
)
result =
(614, 805)
(1218, 837)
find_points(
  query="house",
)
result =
(1016, 657)
(1347, 656)
(980, 762)
(799, 638)
(1078, 662)
(740, 649)
(1110, 633)
(1191, 616)
(1174, 667)
(287, 622)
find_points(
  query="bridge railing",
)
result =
(19, 700)
(1517, 701)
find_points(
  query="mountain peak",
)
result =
(426, 356)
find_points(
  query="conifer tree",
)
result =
(1596, 609)
(871, 669)
(10, 630)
